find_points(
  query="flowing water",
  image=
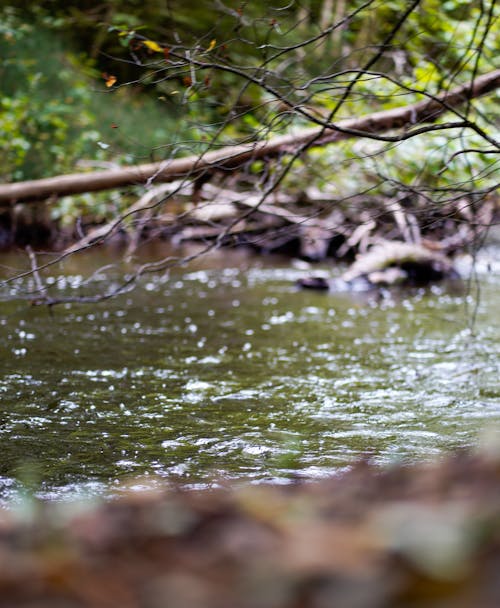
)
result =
(223, 370)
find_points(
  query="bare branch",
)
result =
(232, 158)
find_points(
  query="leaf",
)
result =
(109, 79)
(153, 46)
(211, 46)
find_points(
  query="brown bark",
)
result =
(234, 157)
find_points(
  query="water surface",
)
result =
(223, 370)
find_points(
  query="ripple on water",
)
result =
(234, 374)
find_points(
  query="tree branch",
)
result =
(231, 158)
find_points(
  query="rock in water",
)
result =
(318, 283)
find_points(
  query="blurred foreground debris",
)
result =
(406, 536)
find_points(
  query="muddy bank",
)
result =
(425, 535)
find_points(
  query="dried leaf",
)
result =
(109, 79)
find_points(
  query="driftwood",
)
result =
(232, 158)
(417, 263)
(144, 205)
(389, 263)
(216, 207)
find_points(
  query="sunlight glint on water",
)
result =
(232, 373)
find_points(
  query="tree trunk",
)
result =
(232, 158)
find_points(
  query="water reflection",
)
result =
(231, 373)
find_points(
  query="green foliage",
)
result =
(57, 116)
(44, 104)
(57, 109)
(449, 42)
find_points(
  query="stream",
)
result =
(223, 370)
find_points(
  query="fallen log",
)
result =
(232, 158)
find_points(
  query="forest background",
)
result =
(102, 85)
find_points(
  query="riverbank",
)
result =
(311, 225)
(420, 535)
